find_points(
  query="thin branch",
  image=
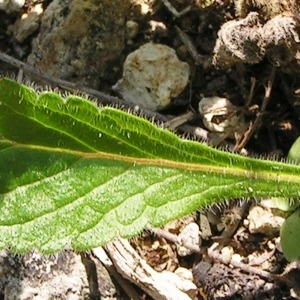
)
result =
(174, 11)
(251, 93)
(216, 256)
(204, 61)
(248, 134)
(174, 239)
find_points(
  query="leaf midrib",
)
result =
(271, 175)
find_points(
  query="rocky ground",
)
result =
(239, 50)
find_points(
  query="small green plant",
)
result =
(290, 231)
(73, 174)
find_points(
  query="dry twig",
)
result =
(132, 267)
(216, 256)
(259, 116)
(174, 11)
(199, 59)
(106, 261)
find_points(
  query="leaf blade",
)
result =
(70, 186)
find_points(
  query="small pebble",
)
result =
(10, 6)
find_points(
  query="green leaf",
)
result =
(290, 236)
(294, 153)
(76, 175)
(284, 203)
(290, 231)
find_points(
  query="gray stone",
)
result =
(11, 5)
(81, 40)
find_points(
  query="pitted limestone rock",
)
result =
(80, 41)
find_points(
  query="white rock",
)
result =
(182, 284)
(11, 5)
(184, 273)
(152, 76)
(227, 253)
(132, 29)
(220, 115)
(190, 235)
(26, 26)
(264, 221)
(236, 258)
